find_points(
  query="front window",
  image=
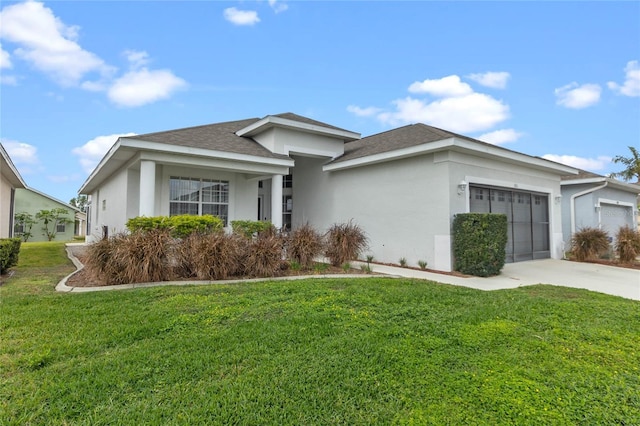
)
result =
(61, 227)
(198, 197)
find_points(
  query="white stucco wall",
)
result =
(284, 141)
(109, 206)
(5, 207)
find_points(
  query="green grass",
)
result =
(362, 351)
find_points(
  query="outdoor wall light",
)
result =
(558, 198)
(462, 186)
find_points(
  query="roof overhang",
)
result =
(611, 183)
(129, 149)
(460, 145)
(272, 121)
(13, 176)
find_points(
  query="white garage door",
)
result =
(612, 217)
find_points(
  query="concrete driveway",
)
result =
(612, 280)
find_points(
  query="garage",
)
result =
(527, 218)
(614, 216)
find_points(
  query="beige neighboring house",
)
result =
(10, 180)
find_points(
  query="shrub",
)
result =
(264, 256)
(9, 251)
(251, 228)
(422, 264)
(345, 241)
(627, 244)
(134, 258)
(179, 225)
(479, 241)
(403, 261)
(215, 256)
(589, 243)
(303, 245)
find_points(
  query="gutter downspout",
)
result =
(573, 203)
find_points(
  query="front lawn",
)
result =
(317, 351)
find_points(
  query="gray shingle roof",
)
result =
(217, 137)
(301, 119)
(402, 137)
(582, 174)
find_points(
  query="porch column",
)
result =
(276, 201)
(147, 188)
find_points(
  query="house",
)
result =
(10, 180)
(592, 200)
(403, 186)
(31, 201)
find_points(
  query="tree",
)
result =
(79, 203)
(52, 218)
(632, 165)
(26, 221)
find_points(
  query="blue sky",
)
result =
(553, 79)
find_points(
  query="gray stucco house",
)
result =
(592, 200)
(403, 186)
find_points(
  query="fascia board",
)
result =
(99, 167)
(271, 121)
(628, 187)
(207, 153)
(454, 144)
(18, 182)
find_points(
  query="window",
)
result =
(479, 194)
(104, 205)
(287, 181)
(287, 208)
(61, 227)
(18, 229)
(198, 197)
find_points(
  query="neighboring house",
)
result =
(10, 180)
(403, 186)
(592, 200)
(29, 200)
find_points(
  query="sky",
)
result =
(559, 80)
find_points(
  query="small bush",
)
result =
(9, 252)
(627, 244)
(422, 264)
(346, 266)
(180, 225)
(403, 261)
(589, 243)
(138, 257)
(345, 241)
(365, 268)
(251, 228)
(303, 245)
(264, 256)
(479, 241)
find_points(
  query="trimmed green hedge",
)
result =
(479, 241)
(249, 228)
(9, 251)
(180, 225)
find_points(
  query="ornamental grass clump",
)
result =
(215, 256)
(344, 242)
(303, 245)
(589, 243)
(264, 255)
(627, 244)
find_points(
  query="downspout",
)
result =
(573, 203)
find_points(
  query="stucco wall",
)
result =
(283, 141)
(5, 207)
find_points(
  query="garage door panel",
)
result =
(613, 217)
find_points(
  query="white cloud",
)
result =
(575, 96)
(631, 85)
(598, 163)
(471, 113)
(92, 152)
(495, 80)
(23, 155)
(5, 59)
(502, 136)
(241, 17)
(140, 87)
(137, 59)
(9, 80)
(278, 6)
(363, 112)
(442, 87)
(47, 43)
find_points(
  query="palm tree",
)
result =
(632, 164)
